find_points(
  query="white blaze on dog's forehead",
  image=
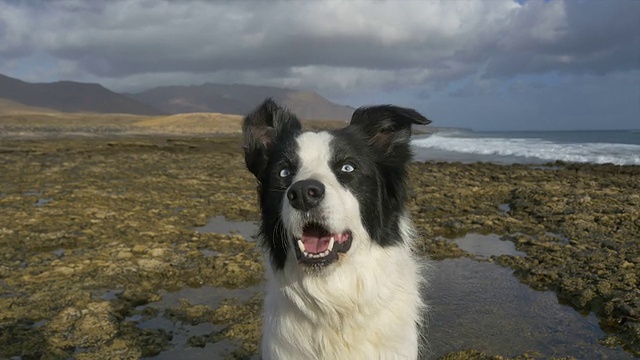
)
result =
(339, 209)
(314, 152)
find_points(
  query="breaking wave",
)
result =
(532, 149)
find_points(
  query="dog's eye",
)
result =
(347, 168)
(284, 173)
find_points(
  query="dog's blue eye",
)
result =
(284, 173)
(347, 168)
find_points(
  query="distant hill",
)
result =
(240, 99)
(71, 96)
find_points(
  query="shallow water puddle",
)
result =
(220, 225)
(41, 201)
(485, 246)
(480, 305)
(505, 208)
(210, 351)
(181, 332)
(474, 305)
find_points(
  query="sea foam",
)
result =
(532, 149)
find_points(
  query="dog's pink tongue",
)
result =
(315, 244)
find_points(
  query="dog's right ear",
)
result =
(260, 130)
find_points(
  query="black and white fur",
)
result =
(342, 280)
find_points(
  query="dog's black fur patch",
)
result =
(376, 142)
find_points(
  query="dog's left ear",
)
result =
(386, 126)
(260, 130)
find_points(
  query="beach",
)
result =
(101, 256)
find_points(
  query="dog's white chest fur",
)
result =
(361, 311)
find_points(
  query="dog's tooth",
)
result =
(326, 252)
(331, 244)
(301, 245)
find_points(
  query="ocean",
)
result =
(620, 147)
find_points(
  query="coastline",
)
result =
(96, 229)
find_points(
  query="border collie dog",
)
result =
(342, 280)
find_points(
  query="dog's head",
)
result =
(328, 195)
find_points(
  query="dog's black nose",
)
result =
(306, 194)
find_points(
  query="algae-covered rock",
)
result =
(92, 326)
(96, 232)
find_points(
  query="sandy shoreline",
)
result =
(93, 230)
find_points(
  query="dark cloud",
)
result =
(337, 48)
(571, 37)
(450, 39)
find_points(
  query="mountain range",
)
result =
(70, 96)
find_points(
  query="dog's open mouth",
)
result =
(319, 246)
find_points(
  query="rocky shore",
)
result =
(95, 231)
(578, 224)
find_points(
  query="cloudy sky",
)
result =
(488, 65)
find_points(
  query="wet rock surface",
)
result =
(93, 232)
(117, 229)
(579, 226)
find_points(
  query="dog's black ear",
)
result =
(260, 130)
(386, 126)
